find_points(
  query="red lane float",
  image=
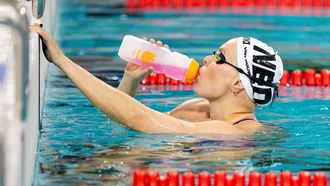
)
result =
(165, 3)
(242, 3)
(318, 80)
(327, 3)
(173, 178)
(285, 178)
(294, 181)
(139, 178)
(220, 178)
(304, 178)
(318, 3)
(307, 3)
(152, 178)
(161, 79)
(173, 82)
(320, 179)
(195, 3)
(239, 178)
(285, 80)
(179, 4)
(270, 179)
(188, 179)
(255, 179)
(163, 181)
(289, 3)
(224, 3)
(260, 3)
(130, 4)
(152, 79)
(310, 77)
(214, 3)
(272, 3)
(204, 179)
(325, 77)
(296, 78)
(230, 181)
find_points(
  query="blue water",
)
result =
(78, 145)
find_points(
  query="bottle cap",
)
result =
(192, 71)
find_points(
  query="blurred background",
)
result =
(52, 135)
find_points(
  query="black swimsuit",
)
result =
(245, 119)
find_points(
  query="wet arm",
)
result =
(128, 86)
(118, 105)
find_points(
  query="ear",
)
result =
(237, 87)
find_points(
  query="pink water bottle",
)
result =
(162, 60)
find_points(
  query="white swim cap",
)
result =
(263, 66)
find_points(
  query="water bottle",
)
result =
(162, 60)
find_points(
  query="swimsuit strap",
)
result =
(245, 119)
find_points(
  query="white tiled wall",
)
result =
(21, 137)
(7, 63)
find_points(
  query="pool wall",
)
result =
(38, 70)
(19, 122)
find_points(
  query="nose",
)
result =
(208, 60)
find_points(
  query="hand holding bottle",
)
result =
(137, 73)
(144, 54)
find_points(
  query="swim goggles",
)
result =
(221, 59)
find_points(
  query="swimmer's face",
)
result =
(215, 80)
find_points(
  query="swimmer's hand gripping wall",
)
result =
(162, 60)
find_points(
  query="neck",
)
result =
(229, 110)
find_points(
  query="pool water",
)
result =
(78, 145)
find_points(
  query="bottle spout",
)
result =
(191, 72)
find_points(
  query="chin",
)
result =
(197, 90)
(195, 87)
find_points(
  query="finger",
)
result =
(35, 25)
(42, 32)
(141, 68)
(150, 69)
(147, 70)
(152, 41)
(166, 46)
(145, 38)
(159, 43)
(131, 66)
(35, 28)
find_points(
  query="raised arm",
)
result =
(118, 105)
(132, 76)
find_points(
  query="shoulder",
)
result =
(193, 103)
(192, 110)
(249, 126)
(216, 126)
(223, 127)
